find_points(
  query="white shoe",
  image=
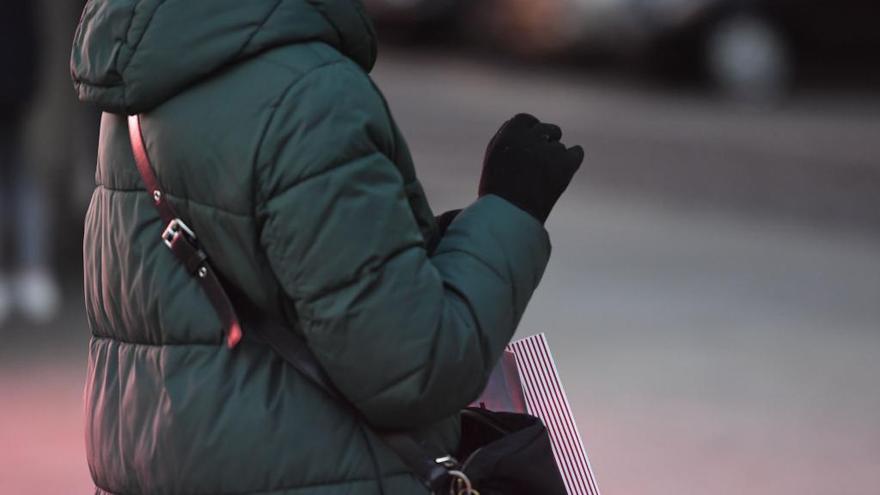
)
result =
(5, 300)
(38, 295)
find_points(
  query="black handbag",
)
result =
(502, 453)
(508, 453)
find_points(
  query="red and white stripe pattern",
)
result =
(545, 398)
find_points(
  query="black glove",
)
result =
(527, 165)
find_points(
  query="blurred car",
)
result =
(750, 48)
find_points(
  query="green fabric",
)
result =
(272, 142)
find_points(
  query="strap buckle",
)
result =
(453, 479)
(175, 229)
(447, 461)
(461, 484)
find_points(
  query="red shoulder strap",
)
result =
(181, 240)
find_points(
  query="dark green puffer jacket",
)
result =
(275, 146)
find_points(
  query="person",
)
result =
(272, 143)
(30, 285)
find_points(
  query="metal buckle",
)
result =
(174, 229)
(461, 484)
(447, 461)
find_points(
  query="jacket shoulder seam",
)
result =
(273, 113)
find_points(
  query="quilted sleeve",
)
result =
(408, 338)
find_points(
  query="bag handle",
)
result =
(438, 474)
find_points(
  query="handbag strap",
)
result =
(182, 241)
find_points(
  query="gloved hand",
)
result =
(528, 166)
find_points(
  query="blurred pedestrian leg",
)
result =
(60, 135)
(24, 227)
(26, 279)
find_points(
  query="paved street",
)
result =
(713, 340)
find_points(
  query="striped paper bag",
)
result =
(526, 381)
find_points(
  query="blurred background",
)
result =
(714, 295)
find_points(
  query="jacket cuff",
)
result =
(506, 238)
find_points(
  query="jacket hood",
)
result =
(131, 55)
